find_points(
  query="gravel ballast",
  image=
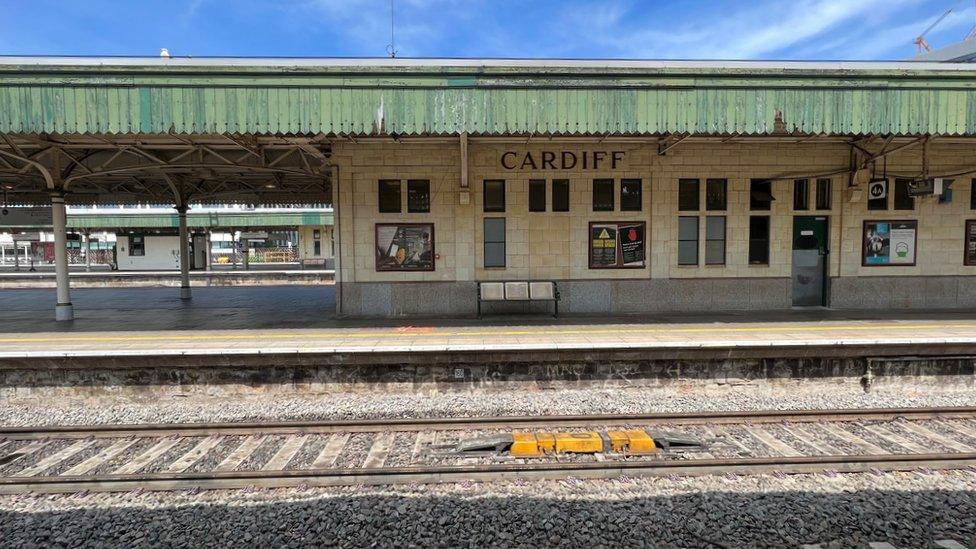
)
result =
(808, 395)
(905, 509)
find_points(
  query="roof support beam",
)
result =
(664, 146)
(45, 173)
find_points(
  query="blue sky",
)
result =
(675, 29)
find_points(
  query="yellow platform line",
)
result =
(670, 330)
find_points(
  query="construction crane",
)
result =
(920, 39)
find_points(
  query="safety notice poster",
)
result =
(889, 243)
(603, 245)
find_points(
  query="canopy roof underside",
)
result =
(164, 169)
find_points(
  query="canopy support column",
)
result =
(87, 241)
(63, 310)
(247, 254)
(184, 254)
(209, 245)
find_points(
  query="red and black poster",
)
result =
(617, 245)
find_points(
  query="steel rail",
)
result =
(481, 473)
(461, 423)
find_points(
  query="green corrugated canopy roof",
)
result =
(225, 220)
(363, 97)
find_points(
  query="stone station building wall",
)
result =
(554, 245)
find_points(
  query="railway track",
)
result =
(317, 453)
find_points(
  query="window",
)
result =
(716, 194)
(801, 194)
(760, 194)
(494, 195)
(759, 240)
(603, 195)
(823, 194)
(560, 195)
(137, 245)
(903, 201)
(537, 195)
(418, 196)
(317, 248)
(688, 240)
(715, 240)
(389, 191)
(630, 195)
(494, 242)
(878, 203)
(946, 196)
(688, 195)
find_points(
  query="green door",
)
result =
(810, 253)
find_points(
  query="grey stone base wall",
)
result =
(647, 296)
(150, 377)
(903, 292)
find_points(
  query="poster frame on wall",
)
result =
(376, 248)
(864, 244)
(965, 250)
(618, 252)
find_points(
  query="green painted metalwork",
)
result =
(223, 220)
(364, 101)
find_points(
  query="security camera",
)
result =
(5, 211)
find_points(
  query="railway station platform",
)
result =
(288, 334)
(299, 319)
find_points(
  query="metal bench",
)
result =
(519, 291)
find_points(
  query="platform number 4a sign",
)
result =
(878, 189)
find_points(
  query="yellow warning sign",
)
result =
(604, 234)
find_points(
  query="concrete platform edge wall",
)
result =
(231, 377)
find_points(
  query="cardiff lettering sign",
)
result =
(562, 160)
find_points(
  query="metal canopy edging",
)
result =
(487, 97)
(228, 220)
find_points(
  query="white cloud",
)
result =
(763, 30)
(366, 23)
(755, 29)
